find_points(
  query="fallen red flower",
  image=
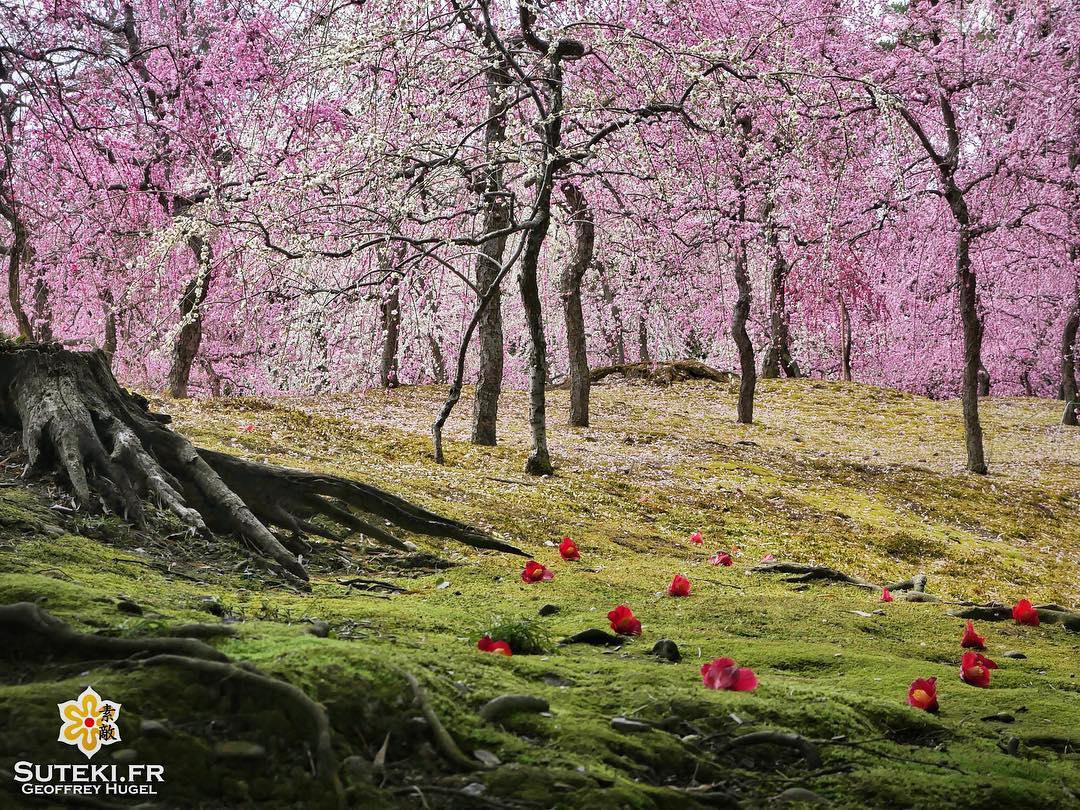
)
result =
(724, 673)
(975, 669)
(885, 595)
(486, 644)
(624, 622)
(696, 538)
(680, 586)
(1024, 613)
(568, 550)
(922, 694)
(972, 639)
(721, 558)
(768, 558)
(535, 572)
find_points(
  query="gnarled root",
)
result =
(804, 746)
(76, 420)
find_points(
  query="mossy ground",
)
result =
(862, 479)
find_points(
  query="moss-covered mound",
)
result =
(864, 480)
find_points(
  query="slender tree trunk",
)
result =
(390, 319)
(496, 218)
(108, 347)
(539, 461)
(778, 355)
(438, 361)
(187, 342)
(613, 335)
(972, 327)
(845, 341)
(15, 257)
(573, 273)
(1068, 366)
(643, 339)
(739, 317)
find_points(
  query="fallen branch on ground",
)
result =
(443, 741)
(805, 747)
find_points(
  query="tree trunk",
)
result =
(15, 257)
(613, 334)
(972, 326)
(539, 460)
(190, 336)
(109, 338)
(739, 317)
(1068, 366)
(643, 340)
(778, 355)
(845, 341)
(438, 362)
(489, 262)
(390, 318)
(42, 307)
(75, 421)
(573, 273)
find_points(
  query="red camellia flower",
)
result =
(922, 694)
(724, 673)
(497, 647)
(885, 595)
(721, 558)
(696, 538)
(624, 622)
(1025, 613)
(535, 572)
(975, 669)
(971, 638)
(680, 586)
(568, 550)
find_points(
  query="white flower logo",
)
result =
(89, 722)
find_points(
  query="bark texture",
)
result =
(1068, 366)
(188, 340)
(845, 341)
(745, 347)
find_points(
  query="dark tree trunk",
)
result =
(109, 338)
(42, 305)
(845, 341)
(496, 219)
(613, 334)
(438, 361)
(1068, 366)
(643, 340)
(16, 253)
(75, 421)
(573, 273)
(778, 354)
(539, 460)
(739, 317)
(984, 381)
(972, 327)
(390, 318)
(189, 338)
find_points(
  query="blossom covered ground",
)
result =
(865, 480)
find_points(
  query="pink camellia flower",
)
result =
(722, 558)
(568, 550)
(680, 586)
(696, 538)
(1024, 613)
(768, 558)
(248, 428)
(486, 644)
(975, 669)
(535, 572)
(624, 622)
(724, 673)
(922, 694)
(885, 595)
(972, 639)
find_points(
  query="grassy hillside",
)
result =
(862, 479)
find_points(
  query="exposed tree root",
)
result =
(916, 585)
(1050, 614)
(664, 373)
(110, 448)
(443, 740)
(498, 708)
(25, 626)
(805, 747)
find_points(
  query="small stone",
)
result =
(155, 728)
(127, 606)
(211, 605)
(487, 758)
(628, 725)
(548, 610)
(319, 628)
(1000, 717)
(237, 750)
(474, 789)
(125, 756)
(1013, 654)
(798, 794)
(594, 636)
(667, 650)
